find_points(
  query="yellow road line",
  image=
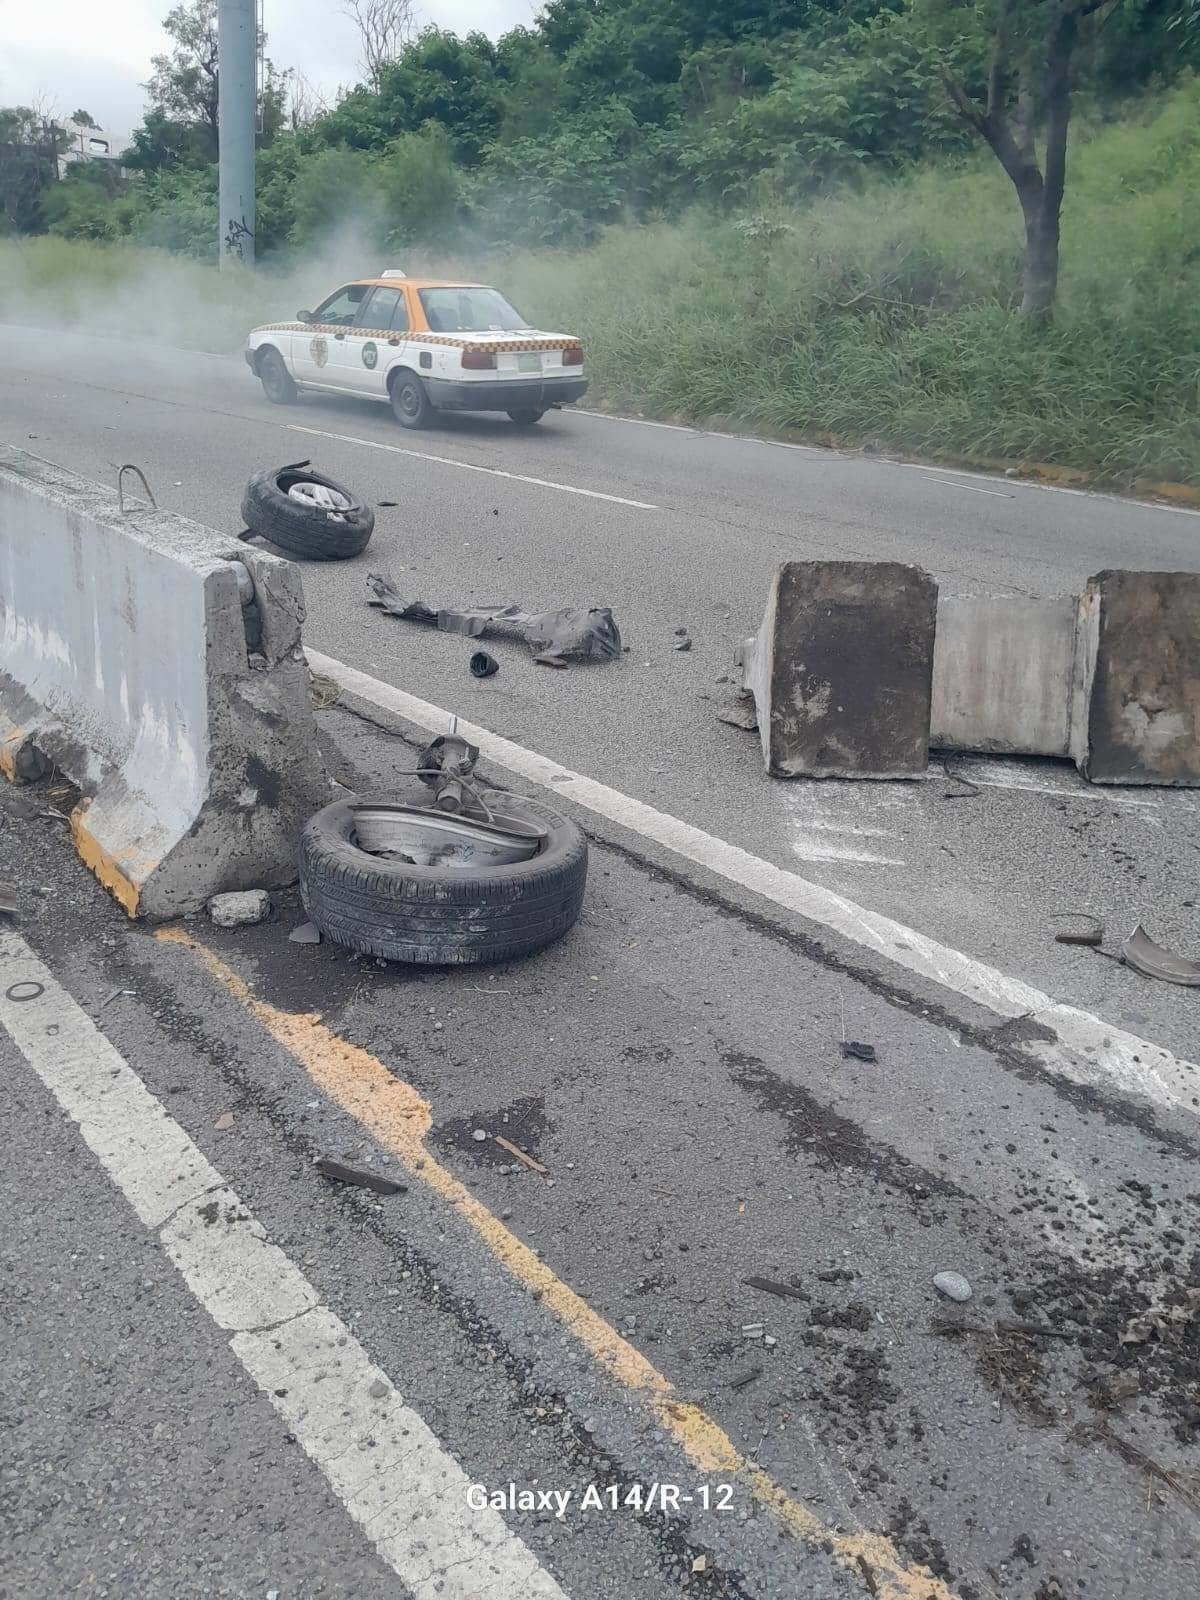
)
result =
(399, 1118)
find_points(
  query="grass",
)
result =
(882, 317)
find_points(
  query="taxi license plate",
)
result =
(529, 363)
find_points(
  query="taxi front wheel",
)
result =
(276, 379)
(409, 401)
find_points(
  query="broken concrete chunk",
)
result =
(306, 933)
(240, 908)
(841, 670)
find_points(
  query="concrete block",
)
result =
(1002, 674)
(841, 670)
(1138, 684)
(158, 664)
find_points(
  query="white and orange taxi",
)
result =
(421, 346)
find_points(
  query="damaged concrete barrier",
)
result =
(841, 670)
(158, 665)
(1109, 678)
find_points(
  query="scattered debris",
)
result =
(306, 933)
(1113, 1387)
(683, 639)
(555, 637)
(966, 790)
(513, 1150)
(388, 503)
(860, 1052)
(479, 1135)
(337, 1172)
(483, 665)
(700, 1564)
(240, 909)
(1153, 961)
(752, 1330)
(224, 1122)
(10, 904)
(378, 1389)
(953, 1285)
(323, 692)
(108, 1000)
(868, 1572)
(1091, 935)
(24, 989)
(746, 1378)
(770, 1286)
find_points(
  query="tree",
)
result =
(83, 119)
(384, 28)
(30, 144)
(184, 85)
(1031, 45)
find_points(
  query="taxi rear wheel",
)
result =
(276, 379)
(410, 403)
(525, 418)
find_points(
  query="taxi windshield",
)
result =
(469, 311)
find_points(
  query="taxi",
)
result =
(423, 346)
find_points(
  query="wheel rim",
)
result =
(427, 838)
(409, 399)
(272, 376)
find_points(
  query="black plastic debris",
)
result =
(483, 665)
(337, 1172)
(1091, 934)
(574, 633)
(860, 1052)
(746, 1378)
(785, 1291)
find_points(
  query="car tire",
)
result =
(278, 384)
(526, 418)
(410, 403)
(442, 915)
(312, 532)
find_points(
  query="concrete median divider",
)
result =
(860, 668)
(158, 665)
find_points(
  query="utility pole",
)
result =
(237, 120)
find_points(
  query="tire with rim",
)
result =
(526, 418)
(442, 915)
(410, 403)
(299, 524)
(275, 378)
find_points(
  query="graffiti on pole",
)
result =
(239, 237)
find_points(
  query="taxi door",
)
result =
(363, 356)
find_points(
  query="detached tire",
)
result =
(442, 915)
(302, 528)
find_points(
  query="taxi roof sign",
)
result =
(393, 272)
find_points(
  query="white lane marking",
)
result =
(812, 850)
(1085, 1047)
(470, 466)
(989, 776)
(891, 461)
(384, 1464)
(951, 483)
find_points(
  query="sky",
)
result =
(94, 55)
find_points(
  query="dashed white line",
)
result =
(471, 466)
(385, 1465)
(1080, 1046)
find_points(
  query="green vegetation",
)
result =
(821, 217)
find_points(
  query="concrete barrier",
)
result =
(158, 665)
(840, 670)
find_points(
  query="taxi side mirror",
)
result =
(304, 316)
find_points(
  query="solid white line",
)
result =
(470, 466)
(951, 483)
(890, 461)
(1085, 1048)
(384, 1464)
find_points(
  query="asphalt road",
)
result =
(674, 1065)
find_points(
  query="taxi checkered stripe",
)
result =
(462, 341)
